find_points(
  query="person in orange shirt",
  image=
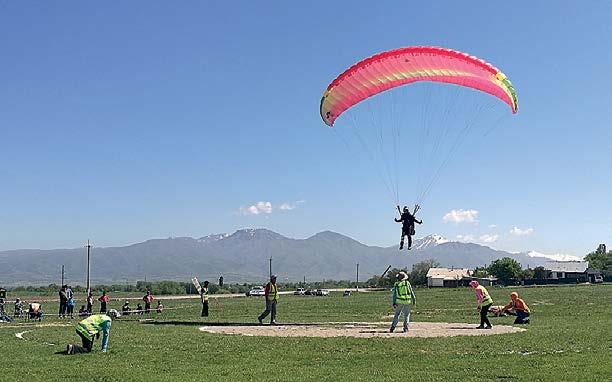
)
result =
(518, 308)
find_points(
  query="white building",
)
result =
(446, 277)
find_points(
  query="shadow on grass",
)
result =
(205, 323)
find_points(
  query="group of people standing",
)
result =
(66, 302)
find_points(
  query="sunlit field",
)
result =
(569, 337)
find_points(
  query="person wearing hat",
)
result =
(271, 294)
(403, 297)
(204, 298)
(518, 308)
(484, 303)
(89, 329)
(407, 219)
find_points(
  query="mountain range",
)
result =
(242, 256)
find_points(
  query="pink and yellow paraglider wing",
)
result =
(402, 66)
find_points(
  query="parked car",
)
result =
(598, 279)
(347, 293)
(322, 292)
(300, 292)
(256, 291)
(310, 292)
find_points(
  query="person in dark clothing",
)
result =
(407, 219)
(90, 301)
(271, 294)
(63, 301)
(125, 310)
(204, 297)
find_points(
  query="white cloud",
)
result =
(557, 256)
(492, 226)
(257, 209)
(288, 206)
(516, 231)
(488, 238)
(466, 238)
(461, 216)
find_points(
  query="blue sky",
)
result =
(149, 119)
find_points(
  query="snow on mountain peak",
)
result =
(557, 256)
(213, 237)
(429, 241)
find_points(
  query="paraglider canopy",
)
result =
(402, 66)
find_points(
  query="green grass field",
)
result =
(570, 339)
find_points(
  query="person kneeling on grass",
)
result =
(518, 308)
(89, 329)
(403, 297)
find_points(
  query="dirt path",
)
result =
(362, 330)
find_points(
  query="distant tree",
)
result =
(480, 272)
(387, 280)
(526, 274)
(418, 276)
(599, 260)
(505, 269)
(539, 273)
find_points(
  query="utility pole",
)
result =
(304, 281)
(88, 267)
(270, 266)
(62, 275)
(357, 277)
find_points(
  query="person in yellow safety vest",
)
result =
(204, 297)
(484, 303)
(271, 294)
(89, 329)
(403, 297)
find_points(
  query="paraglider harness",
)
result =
(411, 230)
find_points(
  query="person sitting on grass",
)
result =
(160, 307)
(35, 312)
(517, 307)
(125, 310)
(83, 311)
(18, 308)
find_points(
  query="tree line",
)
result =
(506, 270)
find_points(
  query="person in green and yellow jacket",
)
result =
(403, 298)
(89, 329)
